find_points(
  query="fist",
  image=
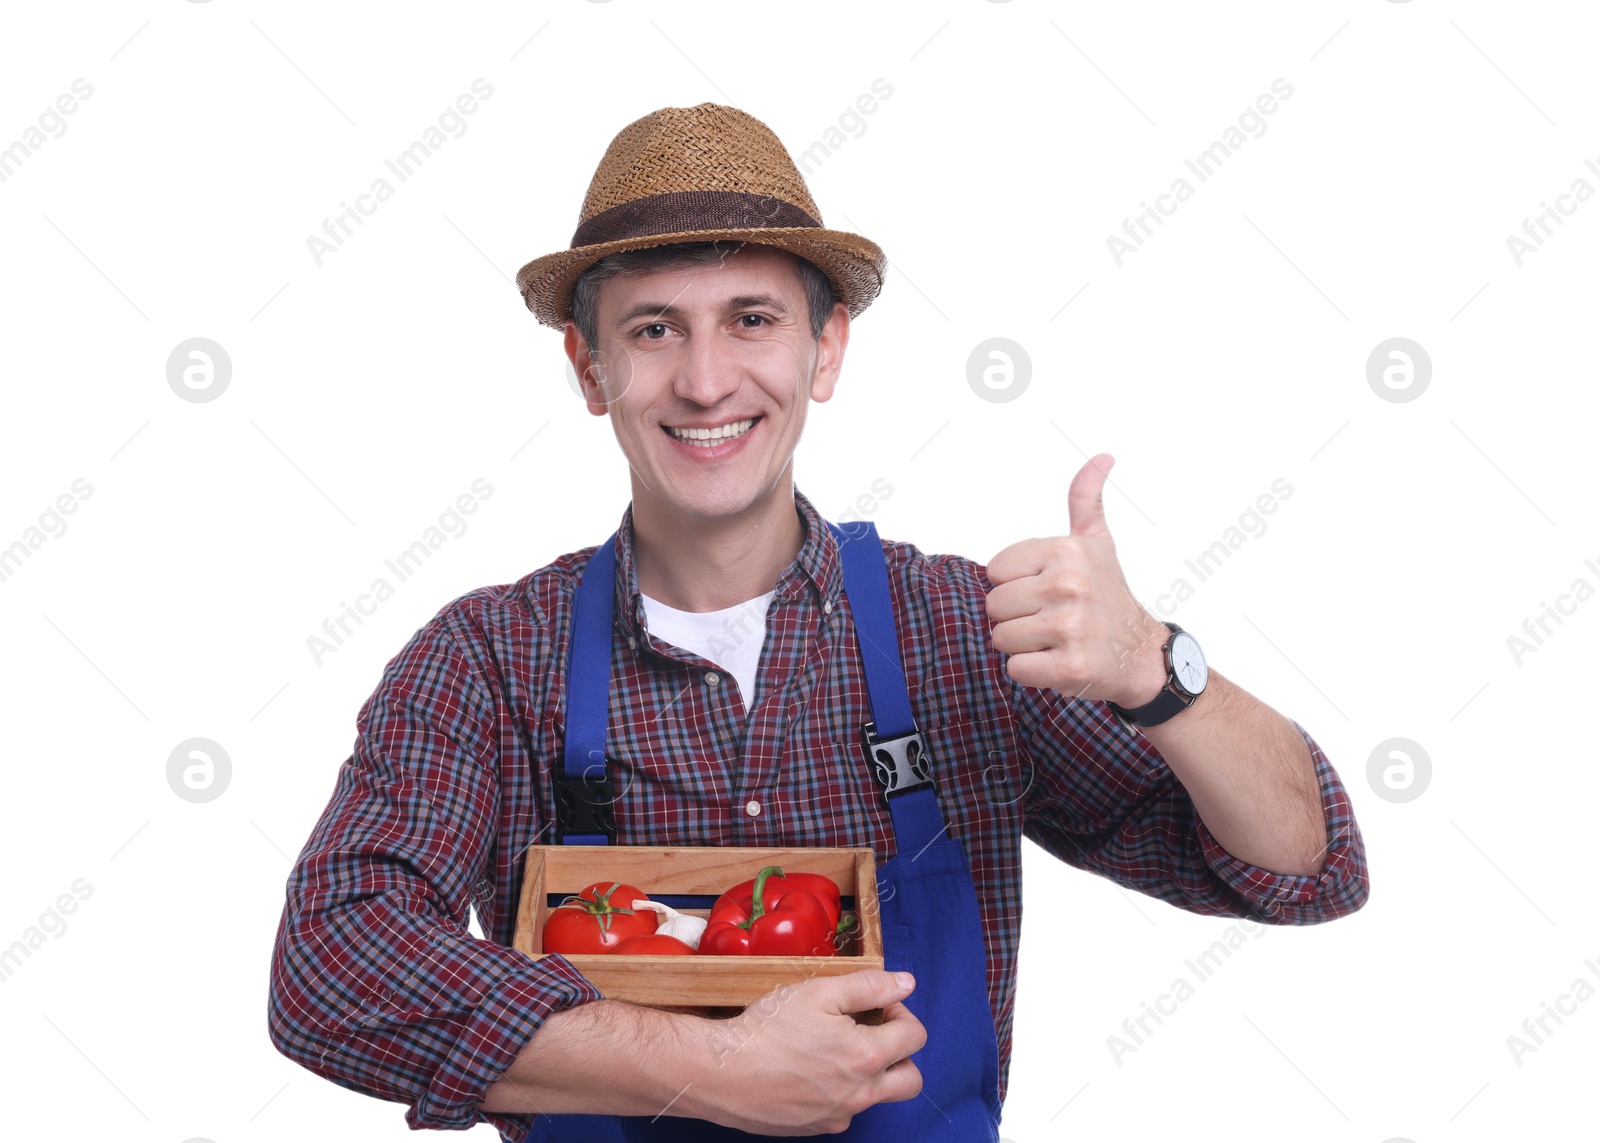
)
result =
(1062, 612)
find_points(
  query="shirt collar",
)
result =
(815, 570)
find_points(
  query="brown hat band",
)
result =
(678, 211)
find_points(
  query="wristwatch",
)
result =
(1186, 679)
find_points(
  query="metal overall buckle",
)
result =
(900, 763)
(583, 805)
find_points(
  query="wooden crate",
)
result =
(696, 983)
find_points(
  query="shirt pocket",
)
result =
(978, 766)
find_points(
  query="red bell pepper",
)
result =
(822, 888)
(771, 920)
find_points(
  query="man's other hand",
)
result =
(795, 1062)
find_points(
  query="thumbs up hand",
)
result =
(1062, 611)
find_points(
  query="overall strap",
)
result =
(891, 742)
(583, 789)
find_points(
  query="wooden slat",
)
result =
(530, 909)
(687, 869)
(694, 980)
(867, 908)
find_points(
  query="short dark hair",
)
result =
(820, 297)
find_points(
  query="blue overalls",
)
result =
(929, 910)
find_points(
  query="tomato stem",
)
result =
(599, 906)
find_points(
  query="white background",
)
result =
(370, 391)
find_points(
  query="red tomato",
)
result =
(597, 919)
(654, 943)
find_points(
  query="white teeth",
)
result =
(721, 433)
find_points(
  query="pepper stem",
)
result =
(758, 905)
(842, 931)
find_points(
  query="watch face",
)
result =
(1188, 663)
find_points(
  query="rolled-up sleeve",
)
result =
(376, 982)
(1340, 888)
(1103, 799)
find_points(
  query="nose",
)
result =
(708, 371)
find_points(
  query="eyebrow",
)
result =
(664, 311)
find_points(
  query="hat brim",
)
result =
(854, 265)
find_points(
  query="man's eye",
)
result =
(654, 326)
(759, 319)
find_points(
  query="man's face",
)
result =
(720, 352)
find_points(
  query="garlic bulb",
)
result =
(672, 923)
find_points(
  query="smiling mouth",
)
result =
(708, 438)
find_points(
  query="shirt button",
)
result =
(633, 644)
(712, 679)
(752, 807)
(827, 607)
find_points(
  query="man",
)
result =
(1031, 696)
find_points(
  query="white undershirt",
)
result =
(731, 638)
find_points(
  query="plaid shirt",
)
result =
(376, 982)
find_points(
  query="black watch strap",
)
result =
(1153, 713)
(1166, 703)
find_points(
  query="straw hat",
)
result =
(693, 174)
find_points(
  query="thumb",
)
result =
(1085, 505)
(864, 989)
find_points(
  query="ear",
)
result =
(584, 365)
(830, 352)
